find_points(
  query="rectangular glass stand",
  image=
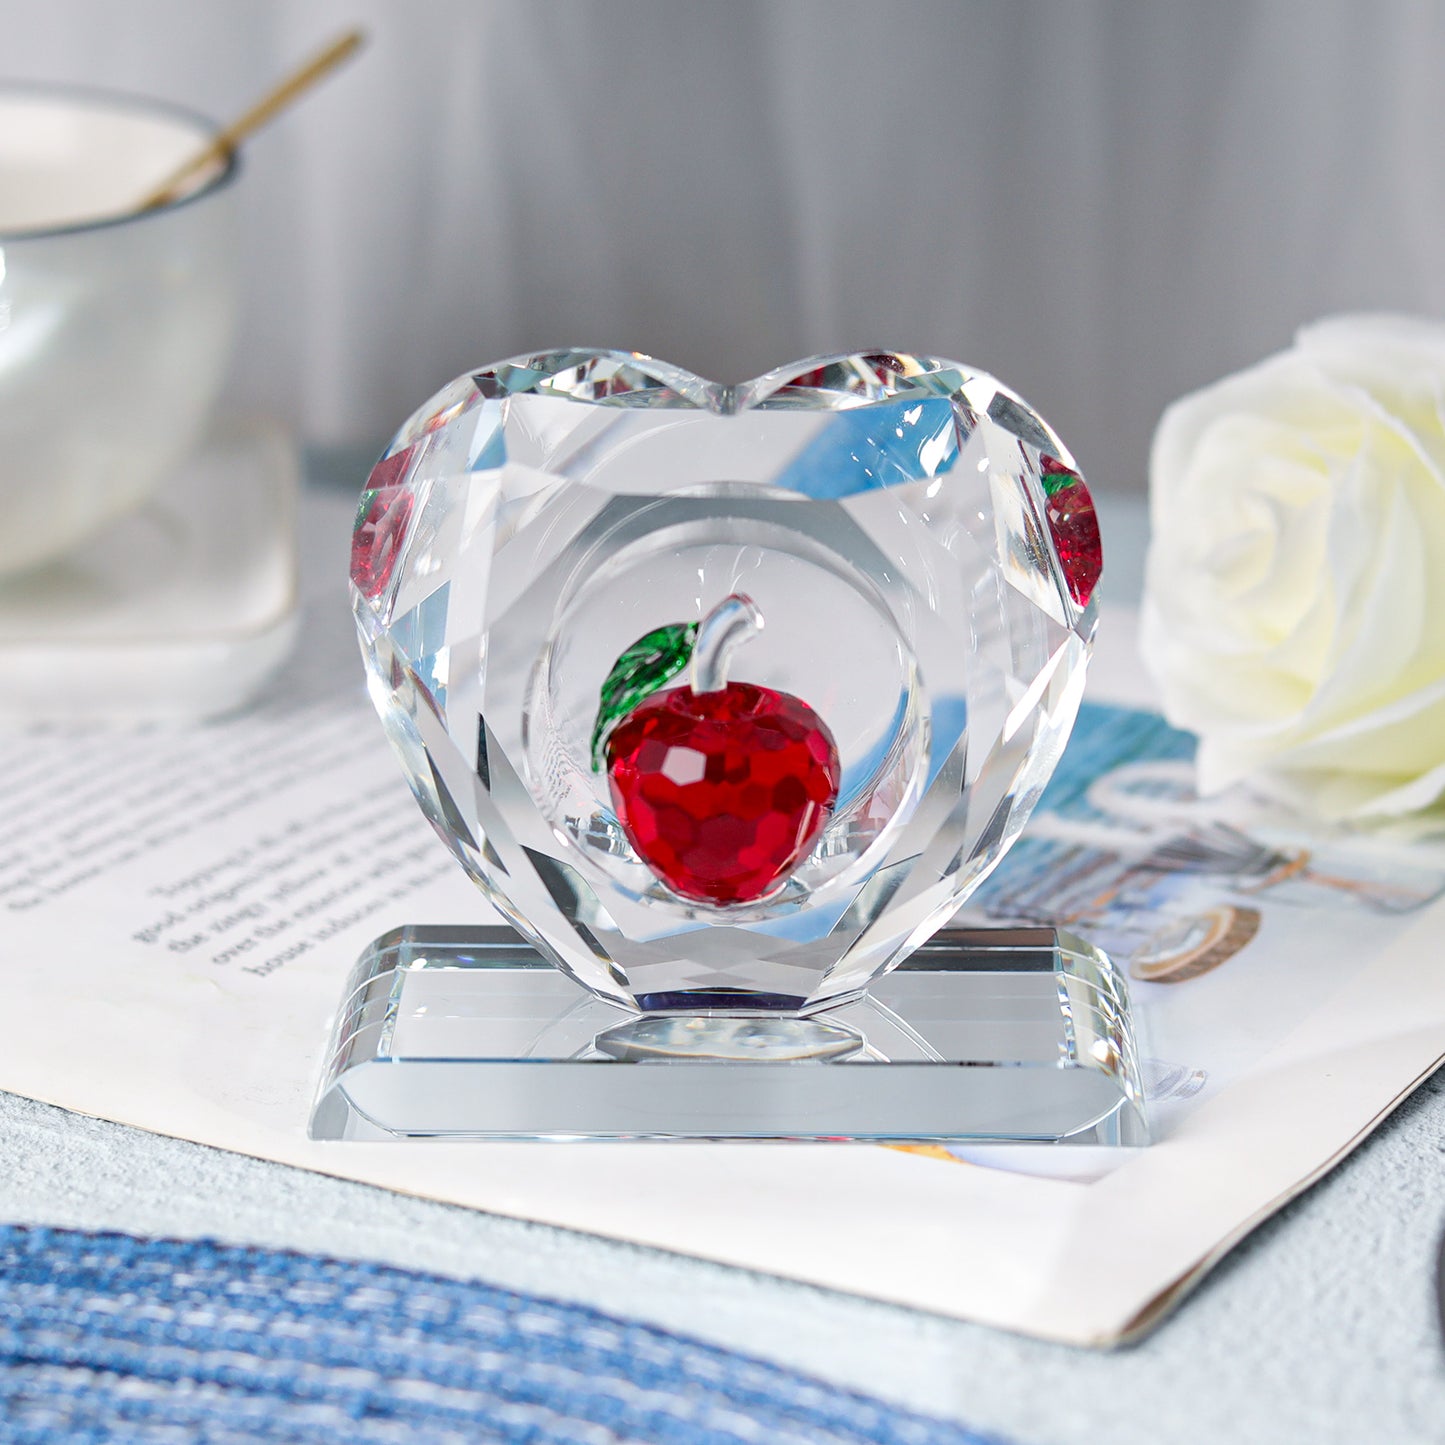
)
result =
(983, 1035)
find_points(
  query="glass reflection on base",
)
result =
(982, 1035)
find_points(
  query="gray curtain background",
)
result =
(1104, 202)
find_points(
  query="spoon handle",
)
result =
(275, 100)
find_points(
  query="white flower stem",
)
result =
(732, 622)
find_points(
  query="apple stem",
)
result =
(732, 622)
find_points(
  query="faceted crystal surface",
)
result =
(1075, 529)
(535, 558)
(381, 525)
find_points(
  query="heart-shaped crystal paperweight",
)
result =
(726, 697)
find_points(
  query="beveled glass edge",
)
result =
(335, 1116)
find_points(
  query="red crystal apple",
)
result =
(381, 523)
(721, 787)
(1075, 528)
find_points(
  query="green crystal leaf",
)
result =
(645, 666)
(1056, 477)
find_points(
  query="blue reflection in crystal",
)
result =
(869, 447)
(422, 637)
(489, 441)
(948, 721)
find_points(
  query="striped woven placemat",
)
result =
(108, 1337)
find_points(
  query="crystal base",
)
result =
(982, 1035)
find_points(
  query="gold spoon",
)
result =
(221, 145)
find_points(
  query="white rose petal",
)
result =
(1294, 611)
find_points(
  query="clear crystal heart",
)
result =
(923, 552)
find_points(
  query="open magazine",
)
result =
(181, 908)
(1233, 921)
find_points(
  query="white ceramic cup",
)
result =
(115, 327)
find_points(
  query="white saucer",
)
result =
(178, 612)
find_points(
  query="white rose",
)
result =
(1294, 611)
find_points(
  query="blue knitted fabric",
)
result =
(107, 1337)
